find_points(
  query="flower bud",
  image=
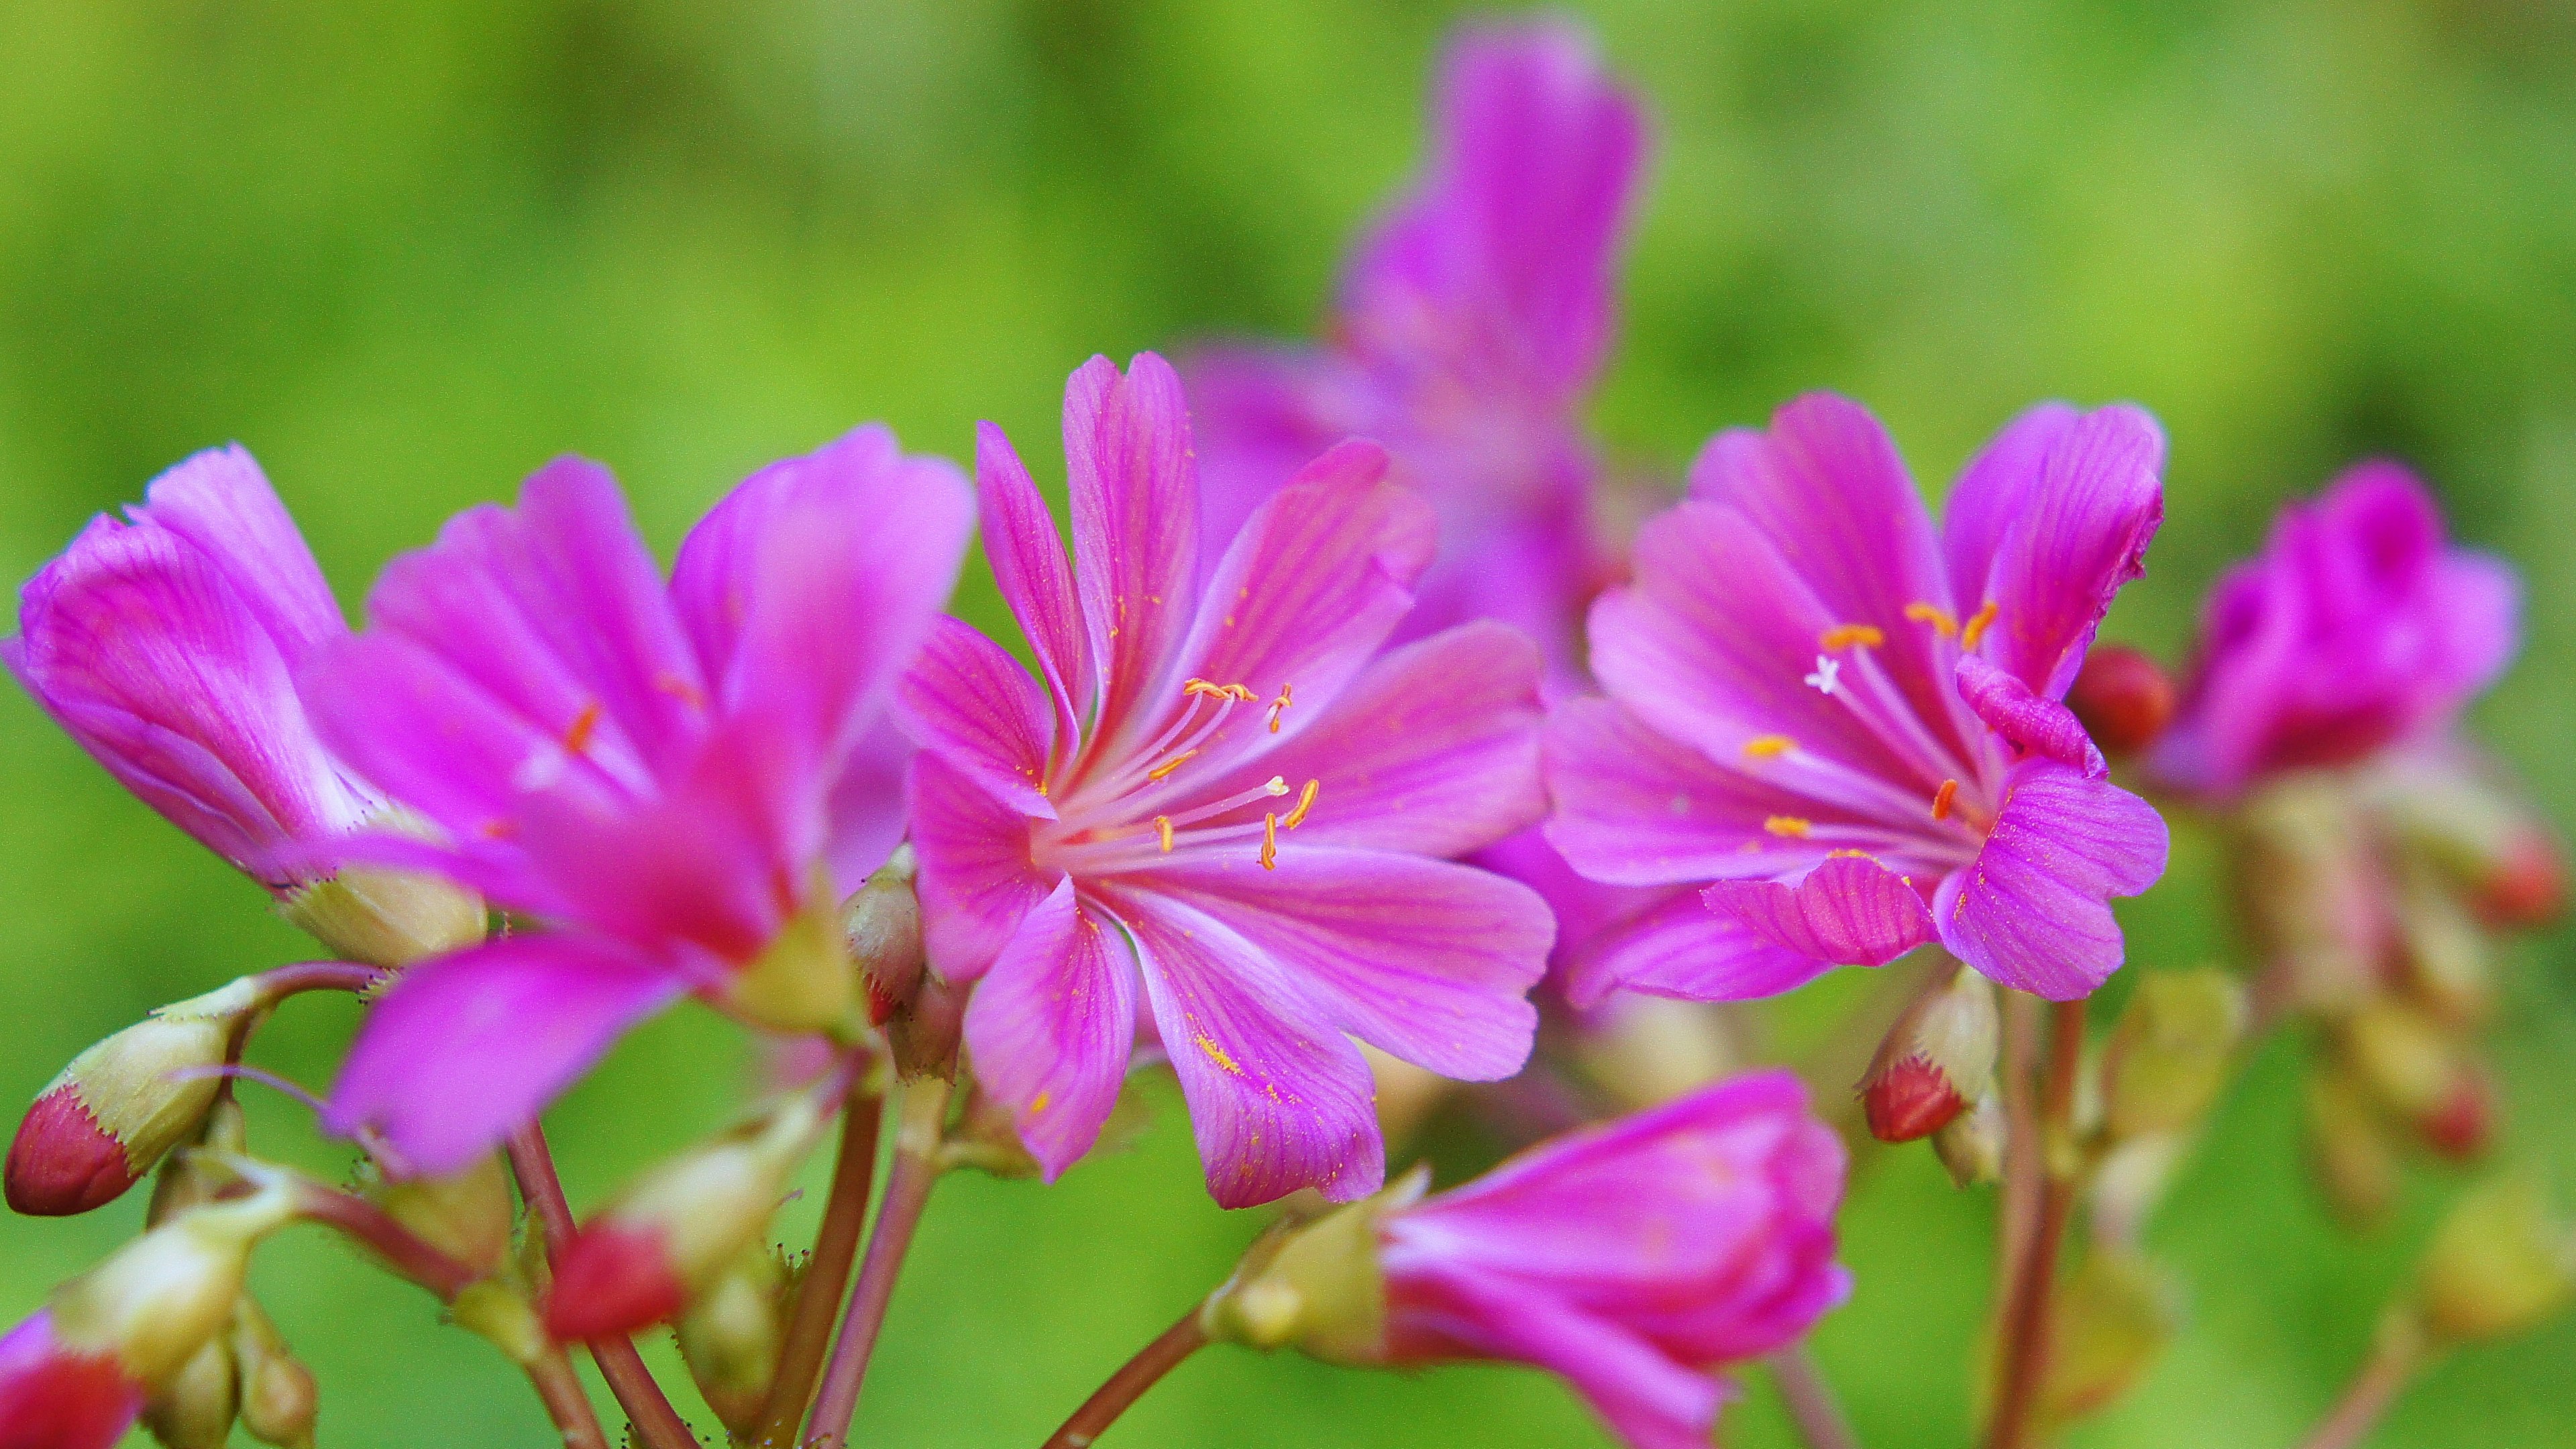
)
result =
(2349, 1151)
(2123, 697)
(1937, 1060)
(2500, 1265)
(2310, 890)
(2421, 1073)
(280, 1402)
(55, 1397)
(731, 1336)
(802, 980)
(1647, 1050)
(2170, 1053)
(663, 1243)
(123, 1104)
(925, 1034)
(2114, 1315)
(196, 1409)
(2444, 951)
(1316, 1286)
(2529, 889)
(1971, 1145)
(385, 917)
(157, 1300)
(883, 925)
(187, 1179)
(467, 1215)
(2481, 834)
(2128, 1184)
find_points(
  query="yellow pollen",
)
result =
(1038, 1103)
(1769, 747)
(1269, 842)
(1788, 825)
(1163, 771)
(1217, 691)
(584, 725)
(1844, 636)
(1163, 827)
(1943, 798)
(1217, 1054)
(1849, 855)
(1975, 628)
(1278, 706)
(680, 689)
(1939, 619)
(1305, 802)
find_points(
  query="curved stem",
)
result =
(2024, 1332)
(827, 1274)
(404, 1251)
(657, 1424)
(2366, 1400)
(1811, 1401)
(924, 1107)
(1131, 1381)
(285, 981)
(567, 1404)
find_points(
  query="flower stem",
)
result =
(2042, 1142)
(2373, 1390)
(923, 1108)
(1131, 1381)
(827, 1274)
(657, 1424)
(1811, 1402)
(285, 981)
(567, 1403)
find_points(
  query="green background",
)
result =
(407, 251)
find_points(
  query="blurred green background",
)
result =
(406, 251)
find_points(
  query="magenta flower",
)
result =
(2359, 627)
(1226, 793)
(1632, 1258)
(54, 1397)
(1470, 329)
(166, 645)
(655, 773)
(1848, 727)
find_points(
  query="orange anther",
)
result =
(1943, 798)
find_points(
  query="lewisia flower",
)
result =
(1633, 1259)
(1224, 792)
(1849, 727)
(653, 772)
(2358, 628)
(1470, 328)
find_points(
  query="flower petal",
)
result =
(466, 1048)
(976, 882)
(1683, 950)
(1052, 1025)
(1424, 959)
(1262, 413)
(2033, 911)
(1848, 911)
(866, 810)
(1993, 492)
(972, 703)
(221, 503)
(1635, 808)
(2034, 724)
(1279, 1098)
(1030, 569)
(2079, 532)
(1135, 497)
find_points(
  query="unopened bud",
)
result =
(123, 1104)
(2501, 1264)
(925, 1034)
(187, 1179)
(2349, 1151)
(2128, 1184)
(2421, 1073)
(2446, 954)
(1318, 1286)
(1971, 1145)
(802, 980)
(196, 1409)
(2114, 1315)
(468, 1215)
(156, 1301)
(2311, 892)
(1406, 1094)
(2481, 833)
(656, 1249)
(280, 1402)
(2170, 1054)
(2528, 890)
(883, 925)
(2123, 697)
(731, 1336)
(53, 1396)
(386, 918)
(1935, 1062)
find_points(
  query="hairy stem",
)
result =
(1131, 1381)
(401, 1249)
(2366, 1400)
(2023, 1335)
(303, 976)
(1811, 1402)
(567, 1403)
(923, 1106)
(657, 1424)
(827, 1273)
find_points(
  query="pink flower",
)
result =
(166, 645)
(2358, 628)
(1632, 1258)
(1848, 727)
(657, 773)
(55, 1397)
(1226, 793)
(1471, 327)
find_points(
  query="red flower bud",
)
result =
(2124, 698)
(54, 1397)
(2528, 889)
(1911, 1099)
(124, 1104)
(2462, 1126)
(612, 1280)
(1938, 1058)
(62, 1162)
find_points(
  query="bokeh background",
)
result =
(408, 250)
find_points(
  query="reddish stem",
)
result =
(567, 1404)
(2372, 1391)
(907, 1193)
(1810, 1401)
(403, 1250)
(2024, 1335)
(285, 981)
(827, 1274)
(1129, 1384)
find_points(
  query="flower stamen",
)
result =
(1768, 747)
(1978, 623)
(1944, 798)
(577, 735)
(1269, 842)
(1844, 636)
(1305, 802)
(1278, 706)
(1790, 827)
(1163, 827)
(1939, 619)
(1829, 673)
(1163, 771)
(1208, 690)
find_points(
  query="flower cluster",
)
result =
(1350, 736)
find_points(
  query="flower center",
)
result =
(1136, 814)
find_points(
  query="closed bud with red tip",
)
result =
(2124, 698)
(2422, 1074)
(159, 1299)
(2528, 889)
(53, 1396)
(122, 1105)
(2482, 832)
(665, 1242)
(883, 924)
(1935, 1062)
(2501, 1264)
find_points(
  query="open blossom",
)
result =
(1470, 328)
(1226, 795)
(655, 773)
(1849, 727)
(2358, 628)
(53, 1396)
(167, 644)
(1632, 1258)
